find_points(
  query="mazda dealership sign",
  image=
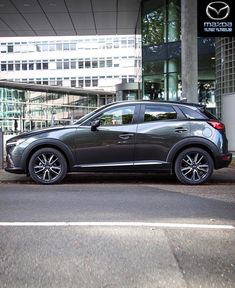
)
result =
(215, 18)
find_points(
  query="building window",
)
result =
(38, 66)
(116, 43)
(102, 62)
(52, 82)
(66, 64)
(24, 66)
(87, 63)
(80, 63)
(73, 83)
(10, 66)
(66, 46)
(94, 81)
(73, 64)
(124, 43)
(45, 65)
(17, 66)
(73, 46)
(10, 49)
(94, 63)
(3, 67)
(31, 66)
(80, 82)
(44, 46)
(59, 64)
(87, 82)
(59, 82)
(59, 46)
(51, 46)
(109, 62)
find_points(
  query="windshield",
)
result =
(87, 116)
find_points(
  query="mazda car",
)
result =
(139, 136)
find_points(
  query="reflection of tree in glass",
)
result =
(127, 119)
(155, 116)
(153, 27)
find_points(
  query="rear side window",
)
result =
(159, 112)
(191, 113)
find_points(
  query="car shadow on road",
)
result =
(219, 177)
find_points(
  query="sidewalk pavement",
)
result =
(222, 176)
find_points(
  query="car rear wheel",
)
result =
(47, 166)
(193, 166)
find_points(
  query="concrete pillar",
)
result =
(171, 34)
(1, 148)
(189, 51)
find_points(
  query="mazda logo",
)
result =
(217, 10)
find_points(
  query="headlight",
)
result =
(16, 142)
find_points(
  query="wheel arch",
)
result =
(62, 148)
(204, 144)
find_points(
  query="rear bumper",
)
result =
(223, 160)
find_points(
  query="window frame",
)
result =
(143, 109)
(97, 116)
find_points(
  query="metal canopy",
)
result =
(68, 17)
(52, 89)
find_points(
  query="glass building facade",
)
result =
(161, 55)
(24, 110)
(94, 65)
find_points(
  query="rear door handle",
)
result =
(180, 129)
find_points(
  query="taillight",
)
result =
(217, 125)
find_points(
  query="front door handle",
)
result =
(126, 136)
(180, 129)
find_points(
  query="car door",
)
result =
(112, 143)
(159, 129)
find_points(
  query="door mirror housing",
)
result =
(95, 124)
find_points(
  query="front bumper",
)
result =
(11, 166)
(14, 170)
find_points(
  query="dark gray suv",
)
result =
(183, 139)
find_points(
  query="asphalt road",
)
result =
(105, 235)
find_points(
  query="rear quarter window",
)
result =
(191, 113)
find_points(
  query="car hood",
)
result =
(37, 132)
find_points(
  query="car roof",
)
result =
(159, 102)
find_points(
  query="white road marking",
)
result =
(118, 224)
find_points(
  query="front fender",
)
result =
(55, 143)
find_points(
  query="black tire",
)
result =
(193, 166)
(47, 166)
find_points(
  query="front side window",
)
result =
(159, 112)
(117, 116)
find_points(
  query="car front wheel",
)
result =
(193, 166)
(47, 166)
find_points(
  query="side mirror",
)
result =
(95, 124)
